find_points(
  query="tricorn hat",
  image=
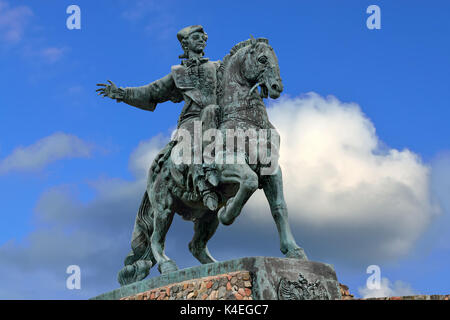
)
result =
(185, 32)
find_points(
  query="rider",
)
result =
(195, 82)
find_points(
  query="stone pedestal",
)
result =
(252, 278)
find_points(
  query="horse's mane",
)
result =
(240, 45)
(227, 58)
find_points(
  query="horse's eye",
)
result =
(262, 59)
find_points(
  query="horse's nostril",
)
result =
(275, 87)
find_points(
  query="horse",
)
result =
(250, 64)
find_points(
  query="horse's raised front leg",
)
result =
(247, 179)
(273, 189)
(204, 229)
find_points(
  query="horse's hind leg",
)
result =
(204, 229)
(162, 219)
(273, 189)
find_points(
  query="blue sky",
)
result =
(71, 170)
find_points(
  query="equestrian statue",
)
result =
(224, 99)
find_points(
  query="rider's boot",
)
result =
(211, 200)
(207, 181)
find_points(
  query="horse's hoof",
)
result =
(224, 217)
(167, 266)
(127, 275)
(297, 253)
(135, 272)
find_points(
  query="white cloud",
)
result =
(70, 231)
(45, 151)
(387, 289)
(52, 54)
(142, 8)
(13, 21)
(160, 17)
(347, 196)
(142, 157)
(347, 199)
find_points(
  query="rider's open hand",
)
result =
(110, 90)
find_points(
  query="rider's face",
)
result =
(196, 42)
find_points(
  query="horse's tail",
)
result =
(140, 260)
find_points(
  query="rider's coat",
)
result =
(194, 81)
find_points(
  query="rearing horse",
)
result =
(249, 65)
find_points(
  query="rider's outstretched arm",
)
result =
(148, 96)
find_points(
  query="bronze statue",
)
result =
(223, 98)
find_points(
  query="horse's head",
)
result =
(254, 62)
(260, 68)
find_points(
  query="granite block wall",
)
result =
(229, 286)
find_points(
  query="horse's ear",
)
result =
(253, 41)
